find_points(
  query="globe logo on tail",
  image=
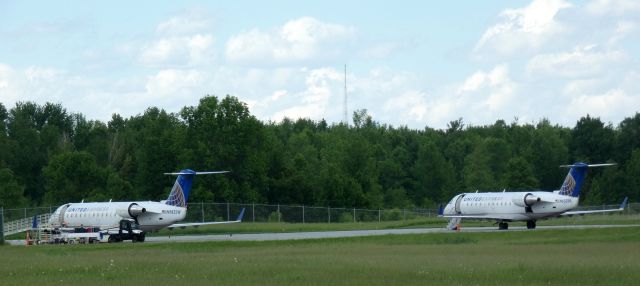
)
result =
(176, 197)
(568, 186)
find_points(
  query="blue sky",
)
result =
(413, 63)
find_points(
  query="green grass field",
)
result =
(541, 257)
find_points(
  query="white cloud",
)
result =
(182, 41)
(497, 76)
(607, 105)
(313, 102)
(613, 7)
(179, 51)
(187, 23)
(170, 81)
(581, 62)
(299, 40)
(623, 30)
(7, 84)
(523, 29)
(410, 106)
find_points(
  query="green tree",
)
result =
(591, 140)
(627, 138)
(11, 193)
(71, 177)
(485, 166)
(434, 175)
(549, 151)
(520, 175)
(632, 178)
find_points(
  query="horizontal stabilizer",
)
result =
(197, 173)
(621, 208)
(582, 165)
(197, 224)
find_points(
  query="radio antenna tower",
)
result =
(346, 119)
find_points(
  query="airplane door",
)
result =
(63, 210)
(458, 202)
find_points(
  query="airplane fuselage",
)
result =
(510, 206)
(150, 216)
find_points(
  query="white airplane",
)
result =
(144, 216)
(504, 207)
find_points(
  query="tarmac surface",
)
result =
(349, 233)
(337, 234)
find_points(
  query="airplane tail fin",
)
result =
(573, 182)
(182, 187)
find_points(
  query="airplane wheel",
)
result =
(503, 226)
(531, 224)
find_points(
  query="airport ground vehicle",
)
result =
(127, 230)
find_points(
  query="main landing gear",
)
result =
(503, 226)
(531, 224)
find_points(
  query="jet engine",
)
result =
(526, 201)
(133, 211)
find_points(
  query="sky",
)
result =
(408, 63)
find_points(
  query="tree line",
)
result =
(49, 156)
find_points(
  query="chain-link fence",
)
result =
(200, 212)
(1, 226)
(23, 213)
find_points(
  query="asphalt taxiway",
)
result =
(350, 233)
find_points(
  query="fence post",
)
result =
(253, 211)
(279, 213)
(329, 213)
(354, 214)
(202, 210)
(1, 225)
(302, 213)
(378, 215)
(228, 216)
(404, 214)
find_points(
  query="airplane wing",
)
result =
(621, 208)
(197, 224)
(489, 217)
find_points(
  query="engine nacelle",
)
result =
(526, 201)
(133, 211)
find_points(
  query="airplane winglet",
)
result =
(240, 215)
(624, 203)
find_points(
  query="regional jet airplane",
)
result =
(504, 207)
(148, 216)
